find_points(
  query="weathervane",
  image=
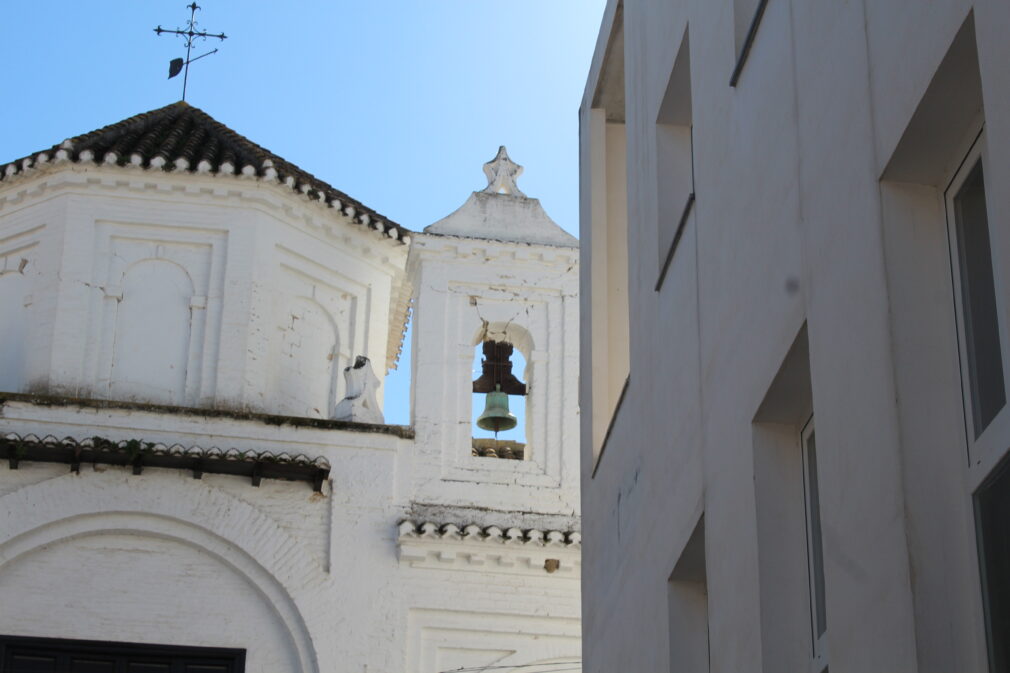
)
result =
(177, 65)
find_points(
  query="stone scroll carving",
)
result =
(360, 404)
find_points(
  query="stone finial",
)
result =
(502, 174)
(359, 405)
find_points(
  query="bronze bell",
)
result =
(496, 416)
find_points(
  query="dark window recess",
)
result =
(978, 301)
(53, 655)
(992, 511)
(816, 543)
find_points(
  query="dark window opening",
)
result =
(992, 512)
(815, 549)
(978, 301)
(56, 655)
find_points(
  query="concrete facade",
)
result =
(173, 310)
(794, 165)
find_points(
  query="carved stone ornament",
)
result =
(359, 405)
(502, 174)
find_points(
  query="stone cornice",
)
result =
(490, 549)
(138, 454)
(484, 250)
(34, 400)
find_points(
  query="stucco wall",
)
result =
(248, 296)
(796, 223)
(303, 581)
(224, 295)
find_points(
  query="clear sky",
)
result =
(398, 103)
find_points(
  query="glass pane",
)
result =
(978, 302)
(993, 508)
(31, 663)
(816, 546)
(85, 664)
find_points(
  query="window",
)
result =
(780, 508)
(52, 655)
(815, 550)
(674, 158)
(992, 507)
(604, 229)
(746, 19)
(687, 607)
(976, 297)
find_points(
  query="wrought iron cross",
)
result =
(190, 33)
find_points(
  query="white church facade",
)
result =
(196, 475)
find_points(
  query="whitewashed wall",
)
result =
(469, 290)
(302, 581)
(202, 291)
(188, 290)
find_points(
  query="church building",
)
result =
(196, 474)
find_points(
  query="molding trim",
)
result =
(490, 549)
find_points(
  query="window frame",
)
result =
(233, 658)
(743, 50)
(674, 159)
(818, 643)
(988, 448)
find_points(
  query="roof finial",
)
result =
(501, 174)
(176, 65)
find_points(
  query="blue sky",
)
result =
(395, 102)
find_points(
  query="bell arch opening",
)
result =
(499, 392)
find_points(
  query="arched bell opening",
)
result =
(498, 414)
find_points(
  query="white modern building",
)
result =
(196, 475)
(796, 331)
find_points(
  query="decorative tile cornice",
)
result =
(139, 454)
(490, 548)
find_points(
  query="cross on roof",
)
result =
(189, 33)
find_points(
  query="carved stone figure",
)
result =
(359, 405)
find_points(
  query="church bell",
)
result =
(496, 417)
(498, 381)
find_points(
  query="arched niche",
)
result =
(153, 325)
(511, 332)
(252, 563)
(309, 358)
(14, 288)
(184, 587)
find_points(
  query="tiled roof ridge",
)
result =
(450, 532)
(179, 137)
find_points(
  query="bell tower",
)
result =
(500, 277)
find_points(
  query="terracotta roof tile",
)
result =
(139, 454)
(182, 137)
